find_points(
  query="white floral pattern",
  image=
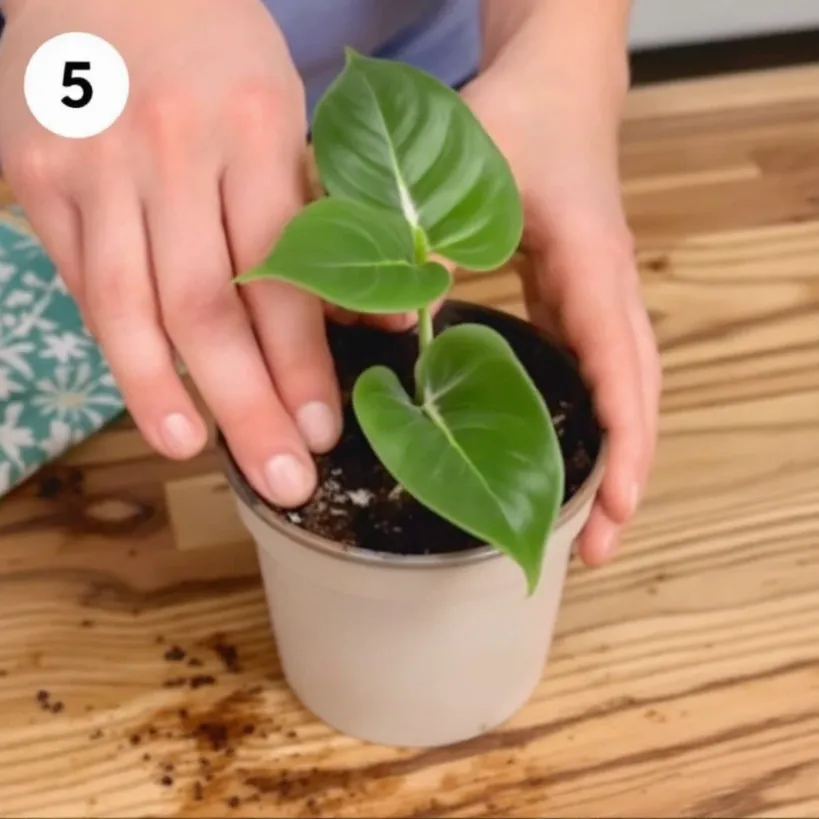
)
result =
(55, 387)
(73, 395)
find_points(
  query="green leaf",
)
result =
(481, 451)
(391, 135)
(355, 256)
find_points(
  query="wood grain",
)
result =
(685, 676)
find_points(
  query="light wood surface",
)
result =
(685, 677)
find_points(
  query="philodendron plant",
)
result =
(411, 177)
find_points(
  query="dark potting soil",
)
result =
(358, 503)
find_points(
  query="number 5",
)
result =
(69, 80)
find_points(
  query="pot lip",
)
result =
(256, 504)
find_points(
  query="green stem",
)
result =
(419, 243)
(425, 336)
(425, 329)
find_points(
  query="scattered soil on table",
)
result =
(213, 734)
(45, 702)
(359, 504)
(175, 654)
(210, 755)
(227, 653)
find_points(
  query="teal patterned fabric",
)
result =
(55, 387)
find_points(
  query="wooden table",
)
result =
(685, 677)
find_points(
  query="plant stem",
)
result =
(425, 329)
(419, 245)
(425, 336)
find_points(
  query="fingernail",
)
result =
(319, 425)
(180, 436)
(288, 481)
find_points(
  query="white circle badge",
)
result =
(76, 85)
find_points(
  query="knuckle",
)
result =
(165, 117)
(191, 306)
(108, 151)
(34, 166)
(117, 301)
(258, 105)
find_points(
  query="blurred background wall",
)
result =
(656, 23)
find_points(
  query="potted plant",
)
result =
(413, 599)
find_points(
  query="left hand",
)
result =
(583, 283)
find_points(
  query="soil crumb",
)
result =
(175, 654)
(228, 654)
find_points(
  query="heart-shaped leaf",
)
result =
(353, 255)
(392, 135)
(480, 450)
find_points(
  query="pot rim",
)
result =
(265, 512)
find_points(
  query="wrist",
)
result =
(552, 93)
(546, 97)
(572, 48)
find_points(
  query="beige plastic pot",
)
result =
(414, 651)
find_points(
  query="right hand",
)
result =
(148, 222)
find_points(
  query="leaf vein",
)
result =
(408, 206)
(432, 413)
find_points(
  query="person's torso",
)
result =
(440, 36)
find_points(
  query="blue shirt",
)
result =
(440, 36)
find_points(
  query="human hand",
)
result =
(148, 222)
(583, 283)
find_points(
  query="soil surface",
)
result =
(358, 502)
